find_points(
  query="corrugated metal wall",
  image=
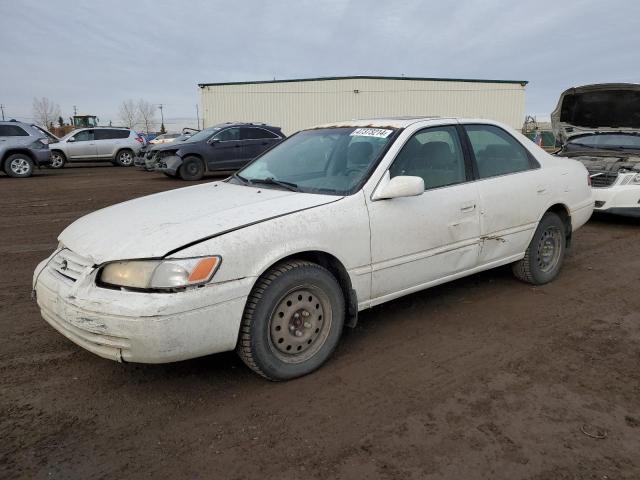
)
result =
(301, 104)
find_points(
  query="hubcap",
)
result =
(126, 158)
(549, 249)
(300, 324)
(19, 166)
(56, 160)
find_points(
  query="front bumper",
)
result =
(141, 327)
(169, 165)
(618, 200)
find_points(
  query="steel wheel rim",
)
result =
(549, 249)
(300, 324)
(19, 166)
(126, 158)
(56, 160)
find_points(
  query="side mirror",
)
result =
(398, 187)
(71, 139)
(213, 141)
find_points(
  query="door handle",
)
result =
(541, 189)
(237, 146)
(468, 208)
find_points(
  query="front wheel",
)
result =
(292, 321)
(57, 159)
(544, 256)
(191, 169)
(124, 158)
(18, 165)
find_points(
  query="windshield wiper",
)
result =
(272, 181)
(240, 178)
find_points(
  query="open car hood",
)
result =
(604, 107)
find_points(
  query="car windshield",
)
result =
(203, 134)
(608, 141)
(325, 160)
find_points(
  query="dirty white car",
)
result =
(275, 260)
(599, 125)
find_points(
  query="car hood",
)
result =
(604, 107)
(159, 147)
(153, 226)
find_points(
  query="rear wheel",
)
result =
(191, 169)
(292, 321)
(544, 256)
(18, 165)
(124, 158)
(57, 159)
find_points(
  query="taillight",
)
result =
(140, 139)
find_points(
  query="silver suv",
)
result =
(117, 145)
(22, 147)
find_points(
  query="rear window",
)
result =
(12, 131)
(111, 134)
(251, 133)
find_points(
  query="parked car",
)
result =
(276, 259)
(224, 147)
(23, 146)
(112, 144)
(599, 125)
(147, 158)
(164, 138)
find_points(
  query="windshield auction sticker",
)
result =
(371, 132)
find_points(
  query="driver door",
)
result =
(83, 146)
(225, 149)
(417, 241)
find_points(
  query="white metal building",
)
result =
(301, 103)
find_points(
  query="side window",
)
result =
(228, 135)
(496, 152)
(84, 136)
(103, 134)
(12, 131)
(256, 134)
(435, 154)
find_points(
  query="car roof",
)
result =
(404, 122)
(242, 124)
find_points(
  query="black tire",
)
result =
(545, 254)
(58, 159)
(124, 158)
(192, 169)
(18, 165)
(278, 340)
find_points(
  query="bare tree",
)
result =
(147, 112)
(45, 112)
(128, 113)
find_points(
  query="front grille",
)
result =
(70, 265)
(603, 179)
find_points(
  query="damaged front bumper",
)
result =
(170, 165)
(141, 327)
(618, 200)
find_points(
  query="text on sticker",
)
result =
(371, 132)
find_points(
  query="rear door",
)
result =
(255, 140)
(224, 150)
(105, 143)
(83, 146)
(511, 188)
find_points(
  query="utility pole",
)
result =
(75, 110)
(197, 117)
(162, 129)
(2, 108)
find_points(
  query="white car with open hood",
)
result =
(276, 259)
(599, 125)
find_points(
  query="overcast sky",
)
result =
(97, 54)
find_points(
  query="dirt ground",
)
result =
(483, 378)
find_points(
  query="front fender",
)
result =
(170, 165)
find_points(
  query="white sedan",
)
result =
(276, 259)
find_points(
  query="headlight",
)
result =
(160, 274)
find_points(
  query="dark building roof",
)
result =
(356, 77)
